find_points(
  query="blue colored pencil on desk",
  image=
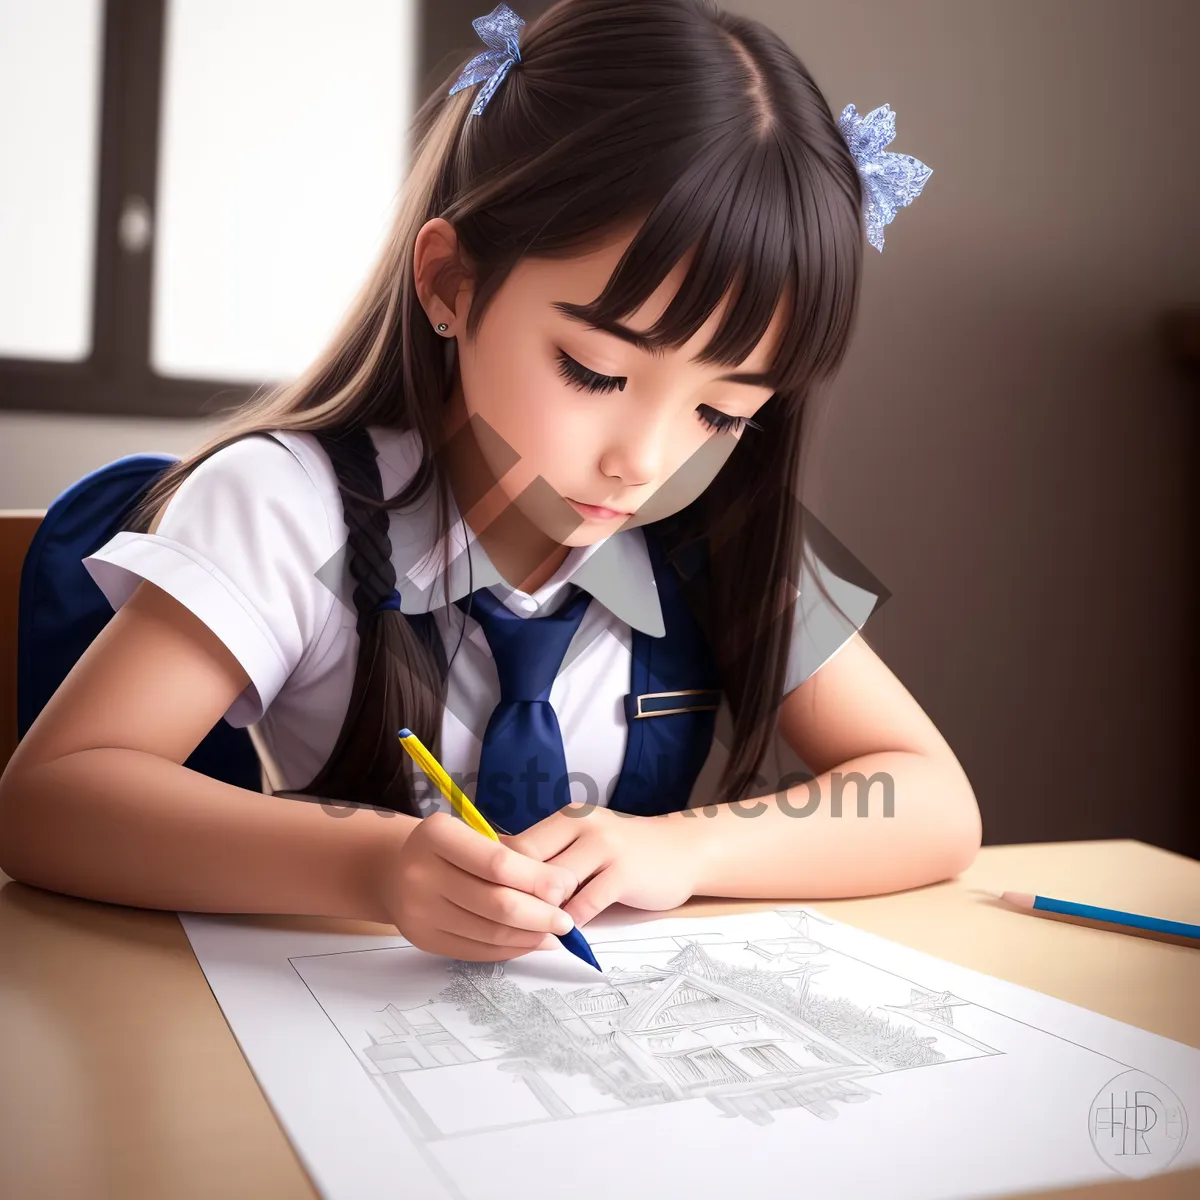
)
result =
(573, 940)
(1090, 912)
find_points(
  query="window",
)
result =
(202, 185)
(770, 1057)
(49, 144)
(703, 1066)
(282, 147)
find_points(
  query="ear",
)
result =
(442, 275)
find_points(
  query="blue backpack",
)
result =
(61, 610)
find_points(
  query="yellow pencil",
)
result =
(573, 940)
(445, 784)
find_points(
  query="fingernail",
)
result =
(563, 923)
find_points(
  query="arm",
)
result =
(853, 715)
(865, 738)
(96, 802)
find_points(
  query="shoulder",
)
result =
(245, 543)
(274, 475)
(295, 461)
(831, 606)
(265, 512)
(287, 474)
(272, 461)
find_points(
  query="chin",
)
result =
(587, 534)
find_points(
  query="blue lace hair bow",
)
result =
(890, 181)
(500, 31)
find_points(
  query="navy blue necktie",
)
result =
(523, 766)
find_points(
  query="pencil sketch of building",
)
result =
(935, 1010)
(708, 1022)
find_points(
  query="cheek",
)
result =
(544, 425)
(532, 424)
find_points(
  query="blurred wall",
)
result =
(1006, 447)
(43, 453)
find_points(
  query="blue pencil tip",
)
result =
(406, 733)
(577, 944)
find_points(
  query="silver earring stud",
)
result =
(442, 327)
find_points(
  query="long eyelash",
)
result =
(722, 422)
(578, 375)
(581, 377)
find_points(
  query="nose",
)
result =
(637, 449)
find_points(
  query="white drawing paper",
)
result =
(770, 1054)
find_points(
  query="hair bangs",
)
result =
(752, 239)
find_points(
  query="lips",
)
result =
(597, 512)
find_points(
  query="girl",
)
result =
(561, 426)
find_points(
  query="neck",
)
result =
(524, 556)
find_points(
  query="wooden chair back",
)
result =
(17, 528)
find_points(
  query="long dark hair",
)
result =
(705, 130)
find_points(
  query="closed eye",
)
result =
(579, 375)
(582, 377)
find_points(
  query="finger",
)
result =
(595, 897)
(453, 918)
(503, 905)
(495, 862)
(552, 834)
(583, 859)
(451, 945)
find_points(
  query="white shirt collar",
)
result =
(616, 570)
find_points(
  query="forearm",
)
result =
(796, 844)
(131, 828)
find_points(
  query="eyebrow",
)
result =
(753, 378)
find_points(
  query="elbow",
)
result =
(17, 824)
(964, 850)
(10, 843)
(962, 833)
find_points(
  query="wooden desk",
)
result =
(119, 1077)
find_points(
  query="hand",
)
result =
(454, 892)
(620, 859)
